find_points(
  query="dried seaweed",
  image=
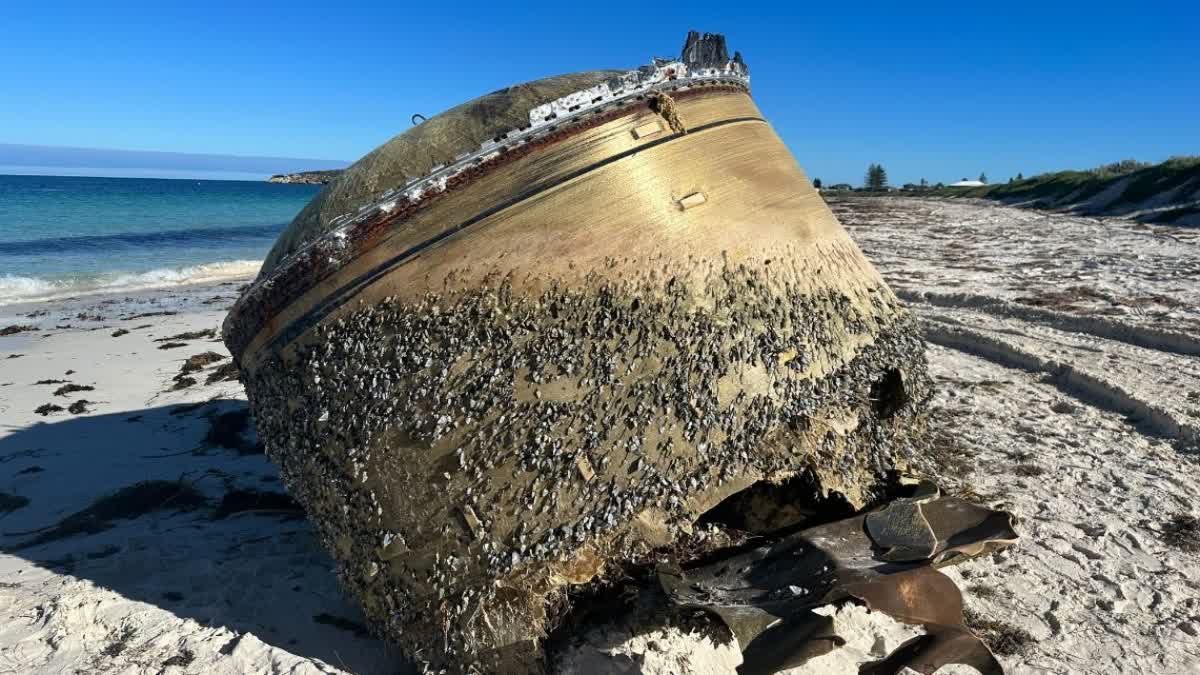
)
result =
(1002, 638)
(10, 503)
(182, 659)
(227, 430)
(199, 361)
(1028, 470)
(226, 372)
(124, 504)
(208, 333)
(182, 382)
(359, 630)
(250, 500)
(1183, 532)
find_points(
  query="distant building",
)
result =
(968, 183)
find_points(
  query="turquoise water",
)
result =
(62, 235)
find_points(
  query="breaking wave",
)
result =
(15, 288)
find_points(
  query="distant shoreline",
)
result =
(131, 174)
(76, 161)
(306, 177)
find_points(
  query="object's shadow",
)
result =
(255, 570)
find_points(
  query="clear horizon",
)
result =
(131, 172)
(42, 160)
(935, 91)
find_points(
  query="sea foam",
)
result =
(15, 288)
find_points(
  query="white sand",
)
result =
(236, 595)
(1079, 414)
(1081, 418)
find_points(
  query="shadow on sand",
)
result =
(255, 570)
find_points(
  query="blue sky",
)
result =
(935, 90)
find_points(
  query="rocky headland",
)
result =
(306, 177)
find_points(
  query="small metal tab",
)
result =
(472, 520)
(647, 130)
(585, 468)
(694, 199)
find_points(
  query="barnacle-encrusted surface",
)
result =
(469, 452)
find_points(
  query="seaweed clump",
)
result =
(1002, 638)
(226, 372)
(125, 504)
(199, 361)
(10, 503)
(208, 333)
(194, 363)
(241, 501)
(227, 430)
(1183, 532)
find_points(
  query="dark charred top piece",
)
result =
(704, 51)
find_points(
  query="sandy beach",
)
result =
(1065, 349)
(145, 531)
(209, 570)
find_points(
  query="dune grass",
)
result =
(1180, 175)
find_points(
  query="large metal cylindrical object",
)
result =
(495, 365)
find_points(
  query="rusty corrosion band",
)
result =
(306, 268)
(336, 298)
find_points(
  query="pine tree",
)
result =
(876, 178)
(983, 178)
(1020, 176)
(817, 183)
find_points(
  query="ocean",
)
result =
(68, 235)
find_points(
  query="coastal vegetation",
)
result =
(1168, 192)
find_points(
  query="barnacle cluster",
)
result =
(468, 453)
